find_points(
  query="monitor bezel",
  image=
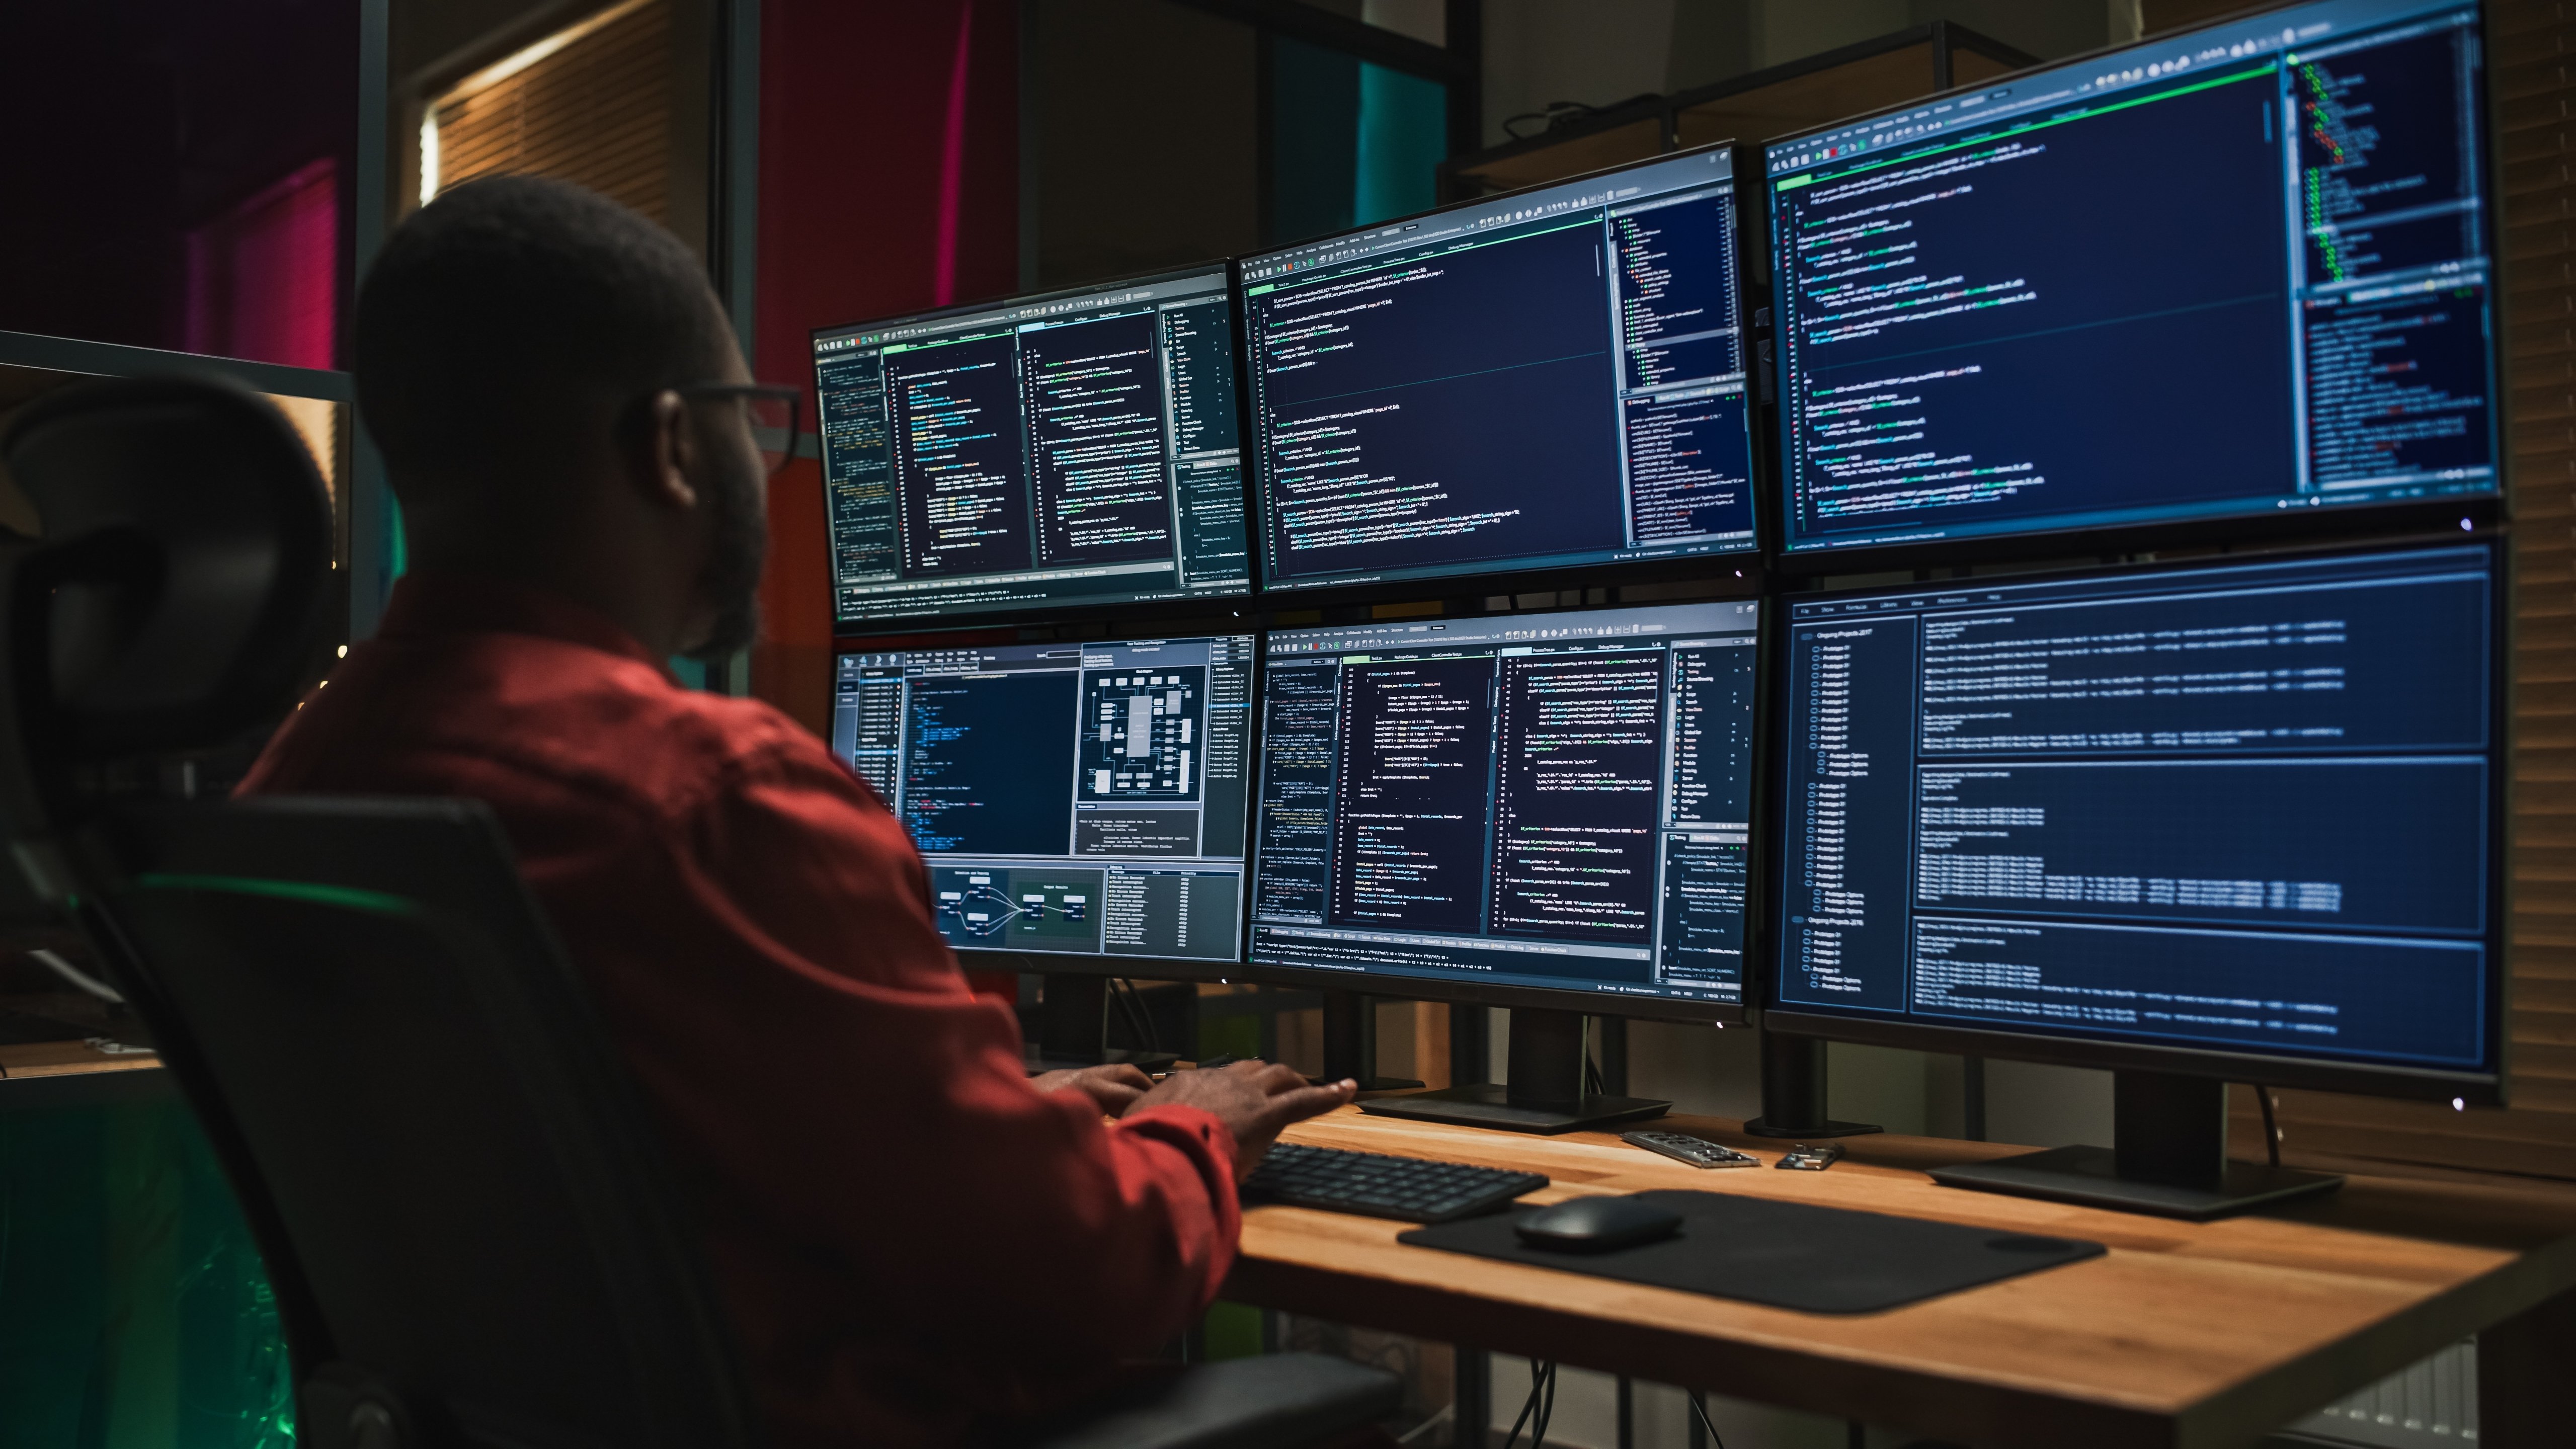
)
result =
(1052, 963)
(1545, 998)
(1761, 450)
(2485, 1087)
(1146, 610)
(2394, 518)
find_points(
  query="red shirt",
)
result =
(909, 1236)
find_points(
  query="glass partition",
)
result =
(192, 162)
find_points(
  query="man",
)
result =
(915, 1241)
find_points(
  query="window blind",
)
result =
(591, 105)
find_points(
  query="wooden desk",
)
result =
(68, 1058)
(2185, 1335)
(43, 1076)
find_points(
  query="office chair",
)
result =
(471, 1233)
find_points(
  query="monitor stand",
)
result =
(1546, 1091)
(2169, 1158)
(1793, 1092)
(1073, 1029)
(1350, 1043)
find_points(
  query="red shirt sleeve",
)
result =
(848, 1108)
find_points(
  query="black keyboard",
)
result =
(1380, 1186)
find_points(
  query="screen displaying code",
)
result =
(2247, 807)
(1551, 379)
(1071, 449)
(1073, 799)
(1545, 799)
(2240, 270)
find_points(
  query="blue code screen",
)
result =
(2240, 270)
(1547, 379)
(1558, 800)
(2245, 808)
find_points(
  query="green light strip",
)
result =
(2225, 80)
(892, 348)
(345, 897)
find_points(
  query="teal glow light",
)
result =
(1403, 134)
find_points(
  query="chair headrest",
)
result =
(177, 596)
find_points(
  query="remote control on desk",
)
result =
(1806, 1158)
(1698, 1152)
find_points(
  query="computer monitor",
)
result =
(1548, 811)
(1553, 379)
(2232, 274)
(1081, 805)
(2231, 821)
(1073, 449)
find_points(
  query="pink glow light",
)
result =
(952, 163)
(263, 282)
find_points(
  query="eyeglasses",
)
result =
(771, 411)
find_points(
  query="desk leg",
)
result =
(2523, 1396)
(1475, 1378)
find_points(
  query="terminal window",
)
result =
(2241, 270)
(1556, 800)
(1084, 799)
(1077, 449)
(2245, 808)
(1550, 379)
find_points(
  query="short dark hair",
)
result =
(496, 303)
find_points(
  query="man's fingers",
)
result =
(1305, 1102)
(1124, 1074)
(1278, 1077)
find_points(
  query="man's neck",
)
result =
(581, 533)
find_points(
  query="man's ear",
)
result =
(670, 452)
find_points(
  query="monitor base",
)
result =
(1765, 1127)
(1793, 1092)
(1350, 1044)
(1073, 1030)
(2090, 1175)
(1147, 1062)
(1490, 1104)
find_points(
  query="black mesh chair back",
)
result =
(481, 1220)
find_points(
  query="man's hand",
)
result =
(1253, 1099)
(1115, 1087)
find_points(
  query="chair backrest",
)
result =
(472, 1236)
(185, 567)
(480, 1215)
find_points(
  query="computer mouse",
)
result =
(1597, 1224)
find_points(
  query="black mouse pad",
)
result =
(1782, 1254)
